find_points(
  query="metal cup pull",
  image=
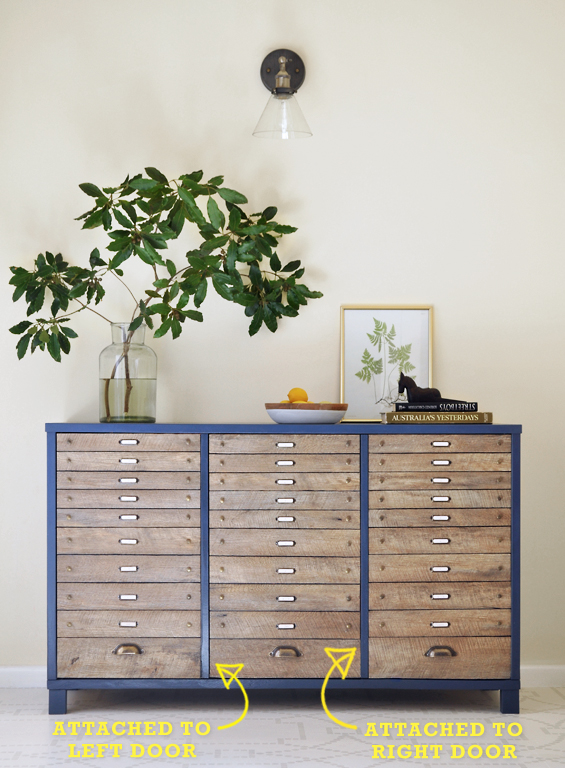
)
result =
(441, 443)
(441, 541)
(439, 624)
(441, 462)
(285, 463)
(128, 568)
(441, 517)
(126, 480)
(282, 651)
(285, 501)
(441, 498)
(286, 570)
(128, 597)
(440, 596)
(440, 568)
(129, 442)
(440, 650)
(286, 445)
(286, 599)
(128, 498)
(129, 541)
(285, 482)
(441, 480)
(283, 519)
(128, 624)
(286, 626)
(129, 517)
(129, 461)
(127, 649)
(286, 543)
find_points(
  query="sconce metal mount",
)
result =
(271, 67)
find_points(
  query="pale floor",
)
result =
(282, 729)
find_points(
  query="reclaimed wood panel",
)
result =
(110, 624)
(122, 481)
(271, 499)
(425, 499)
(281, 519)
(149, 541)
(476, 658)
(400, 568)
(301, 462)
(120, 461)
(424, 595)
(274, 481)
(400, 541)
(149, 568)
(166, 499)
(161, 658)
(425, 443)
(300, 597)
(244, 443)
(474, 622)
(118, 518)
(424, 462)
(421, 518)
(437, 481)
(108, 596)
(259, 661)
(113, 441)
(284, 570)
(233, 541)
(315, 624)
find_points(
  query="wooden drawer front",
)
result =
(444, 498)
(113, 441)
(128, 461)
(283, 482)
(400, 568)
(140, 568)
(113, 541)
(437, 462)
(284, 444)
(421, 518)
(283, 519)
(114, 596)
(298, 543)
(117, 518)
(439, 482)
(273, 597)
(476, 658)
(437, 624)
(268, 658)
(436, 443)
(440, 540)
(411, 596)
(283, 628)
(284, 499)
(128, 482)
(128, 498)
(160, 658)
(284, 570)
(119, 624)
(269, 462)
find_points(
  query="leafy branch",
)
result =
(141, 216)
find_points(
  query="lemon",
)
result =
(299, 401)
(297, 394)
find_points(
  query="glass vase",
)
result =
(128, 377)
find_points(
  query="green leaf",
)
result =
(270, 319)
(291, 266)
(54, 348)
(121, 219)
(284, 229)
(69, 332)
(269, 213)
(20, 327)
(64, 343)
(106, 219)
(95, 260)
(193, 211)
(255, 229)
(275, 263)
(144, 255)
(157, 175)
(22, 345)
(163, 328)
(201, 292)
(220, 281)
(235, 218)
(231, 196)
(257, 322)
(129, 208)
(176, 328)
(93, 220)
(216, 181)
(217, 218)
(134, 325)
(255, 275)
(92, 190)
(142, 185)
(171, 267)
(193, 315)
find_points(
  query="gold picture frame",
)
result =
(377, 342)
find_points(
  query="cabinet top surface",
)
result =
(355, 428)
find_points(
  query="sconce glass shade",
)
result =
(282, 118)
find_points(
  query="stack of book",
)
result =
(437, 413)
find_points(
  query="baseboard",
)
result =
(533, 676)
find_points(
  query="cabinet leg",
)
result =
(58, 702)
(510, 701)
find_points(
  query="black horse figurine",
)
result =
(416, 394)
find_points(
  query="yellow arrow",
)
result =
(346, 656)
(232, 671)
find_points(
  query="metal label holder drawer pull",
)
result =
(441, 517)
(128, 568)
(286, 599)
(285, 651)
(441, 541)
(440, 568)
(441, 443)
(440, 650)
(283, 519)
(441, 498)
(129, 442)
(129, 461)
(285, 482)
(443, 596)
(286, 501)
(439, 624)
(127, 649)
(286, 626)
(286, 543)
(435, 480)
(286, 570)
(129, 517)
(129, 541)
(128, 597)
(128, 498)
(285, 463)
(441, 462)
(286, 445)
(129, 480)
(128, 624)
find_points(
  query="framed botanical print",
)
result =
(377, 344)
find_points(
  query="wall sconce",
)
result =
(282, 72)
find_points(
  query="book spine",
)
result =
(441, 407)
(434, 417)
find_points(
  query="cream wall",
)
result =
(435, 175)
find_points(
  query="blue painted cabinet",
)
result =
(174, 548)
